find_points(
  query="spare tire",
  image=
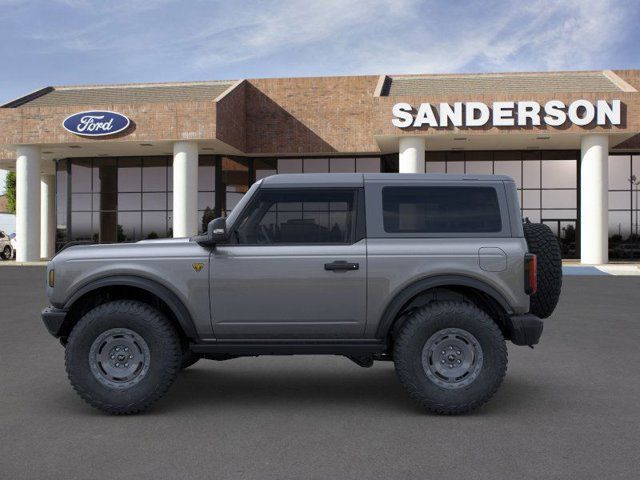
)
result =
(544, 244)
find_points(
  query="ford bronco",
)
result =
(432, 272)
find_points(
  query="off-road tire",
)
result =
(163, 347)
(544, 244)
(188, 358)
(414, 334)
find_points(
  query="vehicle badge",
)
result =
(198, 266)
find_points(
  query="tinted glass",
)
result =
(440, 210)
(298, 217)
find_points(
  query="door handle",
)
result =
(341, 265)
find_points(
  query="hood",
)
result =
(143, 248)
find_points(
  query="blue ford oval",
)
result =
(96, 123)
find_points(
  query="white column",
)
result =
(412, 154)
(47, 216)
(27, 203)
(185, 189)
(594, 200)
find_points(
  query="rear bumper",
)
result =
(53, 319)
(525, 329)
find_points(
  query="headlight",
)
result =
(52, 277)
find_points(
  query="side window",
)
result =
(441, 210)
(2, 235)
(288, 216)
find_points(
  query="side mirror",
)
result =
(217, 230)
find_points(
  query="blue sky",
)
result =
(68, 42)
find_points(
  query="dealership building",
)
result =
(114, 163)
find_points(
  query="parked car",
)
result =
(6, 246)
(432, 272)
(14, 243)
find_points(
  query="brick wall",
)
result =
(319, 115)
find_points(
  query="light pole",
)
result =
(633, 180)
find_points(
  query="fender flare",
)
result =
(407, 293)
(174, 303)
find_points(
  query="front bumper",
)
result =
(53, 319)
(525, 329)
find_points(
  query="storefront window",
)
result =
(624, 207)
(546, 181)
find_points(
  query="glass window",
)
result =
(619, 172)
(129, 174)
(368, 165)
(81, 175)
(480, 167)
(559, 199)
(154, 201)
(316, 165)
(455, 167)
(206, 173)
(440, 209)
(298, 217)
(61, 194)
(154, 225)
(436, 167)
(81, 202)
(206, 199)
(289, 165)
(81, 225)
(154, 174)
(620, 200)
(129, 226)
(559, 174)
(532, 215)
(531, 174)
(531, 199)
(511, 168)
(265, 167)
(342, 165)
(129, 201)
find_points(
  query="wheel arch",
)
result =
(132, 287)
(424, 290)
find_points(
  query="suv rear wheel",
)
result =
(122, 356)
(7, 254)
(450, 356)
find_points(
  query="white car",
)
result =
(7, 248)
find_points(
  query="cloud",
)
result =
(80, 41)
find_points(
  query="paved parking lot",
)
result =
(570, 409)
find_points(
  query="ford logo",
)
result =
(96, 123)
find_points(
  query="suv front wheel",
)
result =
(450, 356)
(122, 356)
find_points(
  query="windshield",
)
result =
(241, 204)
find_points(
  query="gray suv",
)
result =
(432, 272)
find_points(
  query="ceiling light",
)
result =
(47, 152)
(146, 144)
(74, 146)
(207, 148)
(543, 138)
(460, 138)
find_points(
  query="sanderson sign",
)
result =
(507, 114)
(96, 123)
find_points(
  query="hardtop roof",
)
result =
(359, 179)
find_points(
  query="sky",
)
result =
(71, 42)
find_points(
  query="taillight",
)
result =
(530, 273)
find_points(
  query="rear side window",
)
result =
(441, 209)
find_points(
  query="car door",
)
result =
(295, 268)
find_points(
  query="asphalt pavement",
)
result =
(569, 409)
